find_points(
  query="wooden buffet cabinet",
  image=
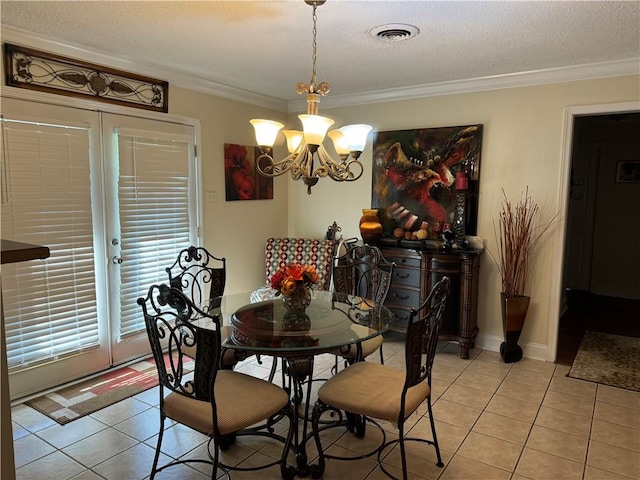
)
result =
(417, 271)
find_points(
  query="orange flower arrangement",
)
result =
(293, 277)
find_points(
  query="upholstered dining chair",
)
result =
(376, 391)
(210, 400)
(361, 271)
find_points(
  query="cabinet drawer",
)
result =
(401, 320)
(406, 276)
(403, 297)
(403, 261)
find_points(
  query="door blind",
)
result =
(153, 194)
(49, 305)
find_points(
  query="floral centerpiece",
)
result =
(294, 282)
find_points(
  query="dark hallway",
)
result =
(617, 316)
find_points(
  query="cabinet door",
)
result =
(449, 266)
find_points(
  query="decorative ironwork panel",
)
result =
(46, 72)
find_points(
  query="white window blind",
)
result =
(153, 194)
(49, 305)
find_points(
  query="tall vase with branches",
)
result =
(517, 235)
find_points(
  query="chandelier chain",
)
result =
(314, 55)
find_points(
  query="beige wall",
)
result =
(522, 146)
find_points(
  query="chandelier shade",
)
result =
(308, 159)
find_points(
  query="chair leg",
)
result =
(381, 356)
(156, 457)
(433, 431)
(403, 453)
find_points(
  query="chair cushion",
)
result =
(318, 252)
(368, 347)
(371, 389)
(242, 401)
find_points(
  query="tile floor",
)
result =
(494, 421)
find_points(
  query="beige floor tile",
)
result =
(539, 465)
(521, 391)
(120, 411)
(150, 397)
(562, 370)
(563, 421)
(515, 476)
(488, 356)
(565, 445)
(99, 447)
(462, 468)
(617, 435)
(55, 465)
(491, 451)
(134, 463)
(573, 386)
(491, 369)
(449, 436)
(144, 425)
(593, 473)
(87, 475)
(545, 368)
(504, 428)
(471, 397)
(31, 419)
(445, 373)
(619, 396)
(30, 448)
(421, 459)
(479, 381)
(61, 436)
(512, 408)
(614, 459)
(609, 412)
(438, 387)
(178, 440)
(455, 414)
(568, 403)
(182, 472)
(529, 377)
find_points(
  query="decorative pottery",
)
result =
(370, 226)
(299, 301)
(514, 312)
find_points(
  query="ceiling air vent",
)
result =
(394, 32)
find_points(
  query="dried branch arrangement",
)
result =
(517, 235)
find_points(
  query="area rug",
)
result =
(89, 396)
(608, 359)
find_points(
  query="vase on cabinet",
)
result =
(370, 226)
(514, 313)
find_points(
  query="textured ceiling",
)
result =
(265, 47)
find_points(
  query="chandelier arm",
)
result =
(269, 167)
(340, 171)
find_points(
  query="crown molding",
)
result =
(589, 71)
(36, 41)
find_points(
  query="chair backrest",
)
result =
(198, 274)
(362, 271)
(308, 251)
(171, 320)
(422, 335)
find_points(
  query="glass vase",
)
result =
(298, 301)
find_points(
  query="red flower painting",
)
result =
(242, 182)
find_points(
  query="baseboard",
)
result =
(535, 351)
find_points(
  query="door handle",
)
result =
(116, 260)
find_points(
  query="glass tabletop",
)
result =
(331, 321)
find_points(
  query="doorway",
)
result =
(601, 269)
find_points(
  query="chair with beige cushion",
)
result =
(381, 392)
(211, 401)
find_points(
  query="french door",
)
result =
(114, 198)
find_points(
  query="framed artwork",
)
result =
(421, 177)
(242, 180)
(628, 172)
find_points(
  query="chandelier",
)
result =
(308, 159)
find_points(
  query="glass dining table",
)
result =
(333, 321)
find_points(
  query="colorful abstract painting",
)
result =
(414, 177)
(242, 180)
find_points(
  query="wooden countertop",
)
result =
(13, 252)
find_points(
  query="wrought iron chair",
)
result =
(202, 278)
(397, 393)
(212, 401)
(363, 273)
(199, 275)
